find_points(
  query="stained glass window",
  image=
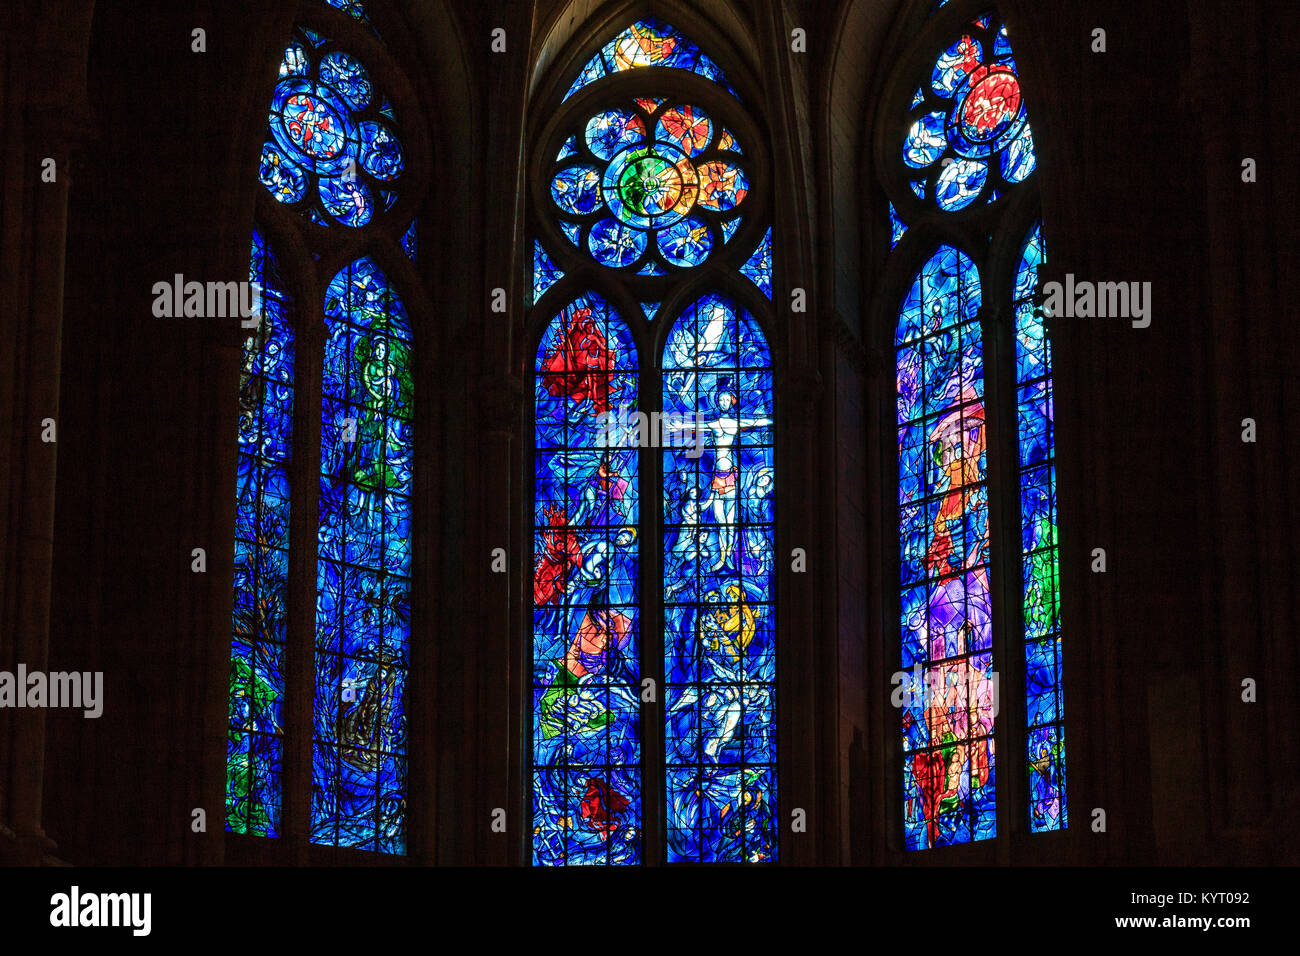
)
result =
(719, 631)
(640, 189)
(945, 613)
(969, 136)
(586, 626)
(759, 267)
(966, 144)
(363, 608)
(331, 151)
(332, 159)
(652, 186)
(353, 8)
(545, 272)
(255, 747)
(1041, 557)
(648, 43)
(411, 241)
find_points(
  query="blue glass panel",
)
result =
(255, 742)
(283, 178)
(612, 131)
(545, 272)
(945, 597)
(363, 613)
(410, 241)
(348, 78)
(353, 8)
(896, 227)
(981, 131)
(661, 193)
(321, 155)
(759, 266)
(686, 243)
(719, 581)
(648, 43)
(586, 750)
(576, 190)
(616, 244)
(1040, 551)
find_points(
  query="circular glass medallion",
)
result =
(992, 104)
(313, 126)
(650, 186)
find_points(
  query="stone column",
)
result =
(43, 108)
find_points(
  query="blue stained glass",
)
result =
(545, 272)
(353, 8)
(1040, 551)
(662, 189)
(321, 155)
(981, 134)
(363, 566)
(648, 43)
(286, 180)
(1019, 159)
(960, 184)
(612, 131)
(949, 787)
(347, 77)
(652, 187)
(572, 231)
(615, 243)
(295, 59)
(255, 741)
(896, 227)
(759, 266)
(719, 638)
(925, 141)
(686, 243)
(381, 153)
(347, 200)
(586, 749)
(410, 241)
(576, 189)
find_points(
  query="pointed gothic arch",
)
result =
(602, 100)
(345, 210)
(953, 154)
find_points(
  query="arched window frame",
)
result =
(625, 293)
(310, 255)
(992, 234)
